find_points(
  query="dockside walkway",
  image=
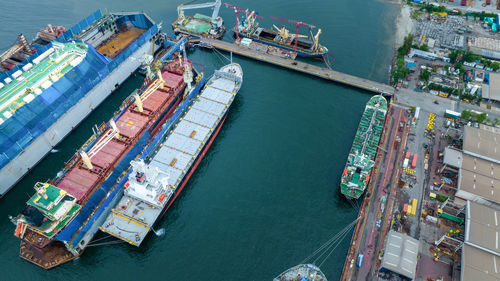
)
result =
(322, 72)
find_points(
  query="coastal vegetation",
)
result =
(400, 72)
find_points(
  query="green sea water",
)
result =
(266, 194)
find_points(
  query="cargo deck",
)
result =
(152, 187)
(364, 148)
(120, 41)
(59, 239)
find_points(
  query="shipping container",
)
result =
(414, 161)
(414, 206)
(407, 155)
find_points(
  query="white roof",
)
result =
(401, 254)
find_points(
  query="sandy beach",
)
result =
(404, 25)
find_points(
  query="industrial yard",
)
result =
(435, 219)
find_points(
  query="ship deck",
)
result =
(112, 47)
(32, 82)
(197, 24)
(132, 219)
(48, 257)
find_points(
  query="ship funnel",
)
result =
(86, 160)
(138, 102)
(115, 129)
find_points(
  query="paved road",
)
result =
(369, 244)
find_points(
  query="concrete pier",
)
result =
(321, 72)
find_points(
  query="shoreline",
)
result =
(404, 25)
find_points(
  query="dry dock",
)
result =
(321, 72)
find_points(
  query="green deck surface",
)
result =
(49, 206)
(197, 24)
(364, 148)
(56, 64)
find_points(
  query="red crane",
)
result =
(298, 23)
(236, 11)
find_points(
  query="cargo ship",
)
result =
(22, 49)
(47, 103)
(156, 180)
(199, 25)
(63, 216)
(304, 46)
(361, 158)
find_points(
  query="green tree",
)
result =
(466, 115)
(405, 48)
(453, 56)
(425, 75)
(495, 66)
(481, 117)
(424, 47)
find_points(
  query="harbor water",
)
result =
(266, 194)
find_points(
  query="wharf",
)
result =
(321, 72)
(368, 237)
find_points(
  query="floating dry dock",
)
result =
(314, 70)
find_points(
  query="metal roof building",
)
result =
(491, 91)
(481, 252)
(400, 254)
(479, 176)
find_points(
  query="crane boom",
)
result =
(215, 5)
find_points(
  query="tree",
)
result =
(481, 117)
(405, 48)
(466, 115)
(495, 66)
(425, 75)
(424, 47)
(453, 56)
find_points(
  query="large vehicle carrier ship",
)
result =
(63, 216)
(48, 94)
(157, 179)
(361, 158)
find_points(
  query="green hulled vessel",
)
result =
(361, 158)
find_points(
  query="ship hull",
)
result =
(17, 168)
(299, 52)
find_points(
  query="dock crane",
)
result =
(250, 17)
(299, 24)
(216, 20)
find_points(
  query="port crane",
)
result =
(216, 20)
(249, 19)
(299, 24)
